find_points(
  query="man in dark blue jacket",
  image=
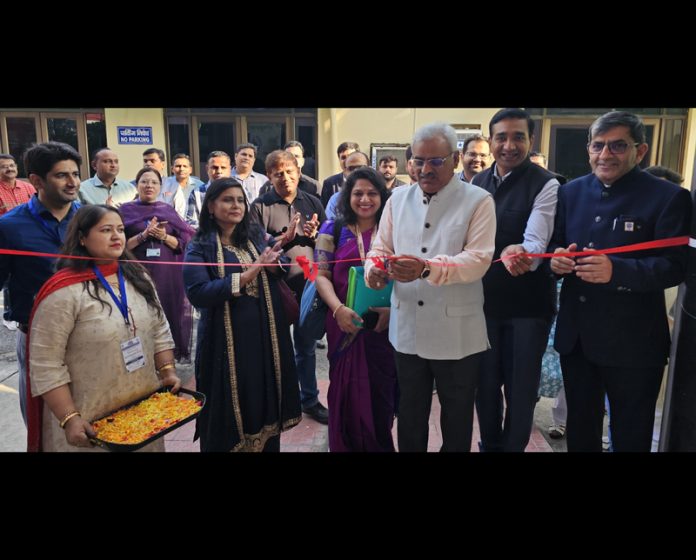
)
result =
(334, 184)
(612, 332)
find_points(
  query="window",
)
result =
(267, 137)
(179, 136)
(96, 132)
(378, 151)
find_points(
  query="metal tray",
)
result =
(111, 446)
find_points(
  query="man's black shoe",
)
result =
(319, 412)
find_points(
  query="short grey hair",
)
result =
(433, 130)
(610, 120)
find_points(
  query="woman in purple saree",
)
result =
(363, 373)
(155, 232)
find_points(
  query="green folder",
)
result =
(360, 298)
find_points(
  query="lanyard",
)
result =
(359, 239)
(122, 303)
(55, 234)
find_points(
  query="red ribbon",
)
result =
(379, 263)
(657, 244)
(310, 270)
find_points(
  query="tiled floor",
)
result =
(310, 436)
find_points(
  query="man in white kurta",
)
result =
(442, 233)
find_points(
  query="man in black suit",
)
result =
(335, 183)
(612, 332)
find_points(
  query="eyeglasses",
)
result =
(352, 168)
(474, 155)
(617, 147)
(433, 162)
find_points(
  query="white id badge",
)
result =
(152, 253)
(133, 354)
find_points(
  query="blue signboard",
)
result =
(134, 134)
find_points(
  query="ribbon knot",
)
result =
(379, 263)
(310, 270)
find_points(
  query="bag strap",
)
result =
(337, 227)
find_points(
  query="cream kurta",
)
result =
(75, 341)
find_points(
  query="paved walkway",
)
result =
(311, 436)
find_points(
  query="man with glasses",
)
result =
(476, 156)
(612, 332)
(520, 296)
(13, 192)
(354, 161)
(440, 236)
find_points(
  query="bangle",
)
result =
(336, 310)
(67, 417)
(166, 365)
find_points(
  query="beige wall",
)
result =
(131, 156)
(367, 126)
(687, 170)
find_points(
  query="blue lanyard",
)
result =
(122, 303)
(55, 234)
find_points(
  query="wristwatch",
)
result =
(426, 270)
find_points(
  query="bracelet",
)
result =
(166, 365)
(67, 417)
(336, 310)
(140, 237)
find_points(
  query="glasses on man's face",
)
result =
(433, 162)
(617, 147)
(352, 168)
(474, 155)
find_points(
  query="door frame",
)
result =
(85, 168)
(4, 135)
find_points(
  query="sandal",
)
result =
(556, 432)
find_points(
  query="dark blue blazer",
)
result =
(330, 186)
(622, 323)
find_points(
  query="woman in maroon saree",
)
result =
(363, 374)
(155, 232)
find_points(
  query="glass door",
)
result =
(19, 131)
(70, 129)
(267, 134)
(211, 134)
